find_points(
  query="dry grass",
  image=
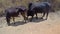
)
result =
(12, 3)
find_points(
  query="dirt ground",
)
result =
(39, 26)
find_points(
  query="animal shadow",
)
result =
(18, 23)
(36, 20)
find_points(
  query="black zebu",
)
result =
(14, 12)
(39, 7)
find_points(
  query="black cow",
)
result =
(38, 7)
(14, 12)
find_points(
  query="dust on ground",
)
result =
(49, 26)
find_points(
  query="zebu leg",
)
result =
(47, 15)
(31, 18)
(43, 15)
(8, 20)
(23, 14)
(36, 16)
(32, 15)
(27, 17)
(13, 20)
(36, 11)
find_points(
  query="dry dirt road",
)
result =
(50, 26)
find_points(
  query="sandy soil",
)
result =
(50, 26)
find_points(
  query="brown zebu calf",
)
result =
(14, 12)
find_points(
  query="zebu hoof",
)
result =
(8, 24)
(41, 18)
(46, 19)
(14, 23)
(24, 21)
(36, 17)
(30, 20)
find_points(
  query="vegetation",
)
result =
(12, 3)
